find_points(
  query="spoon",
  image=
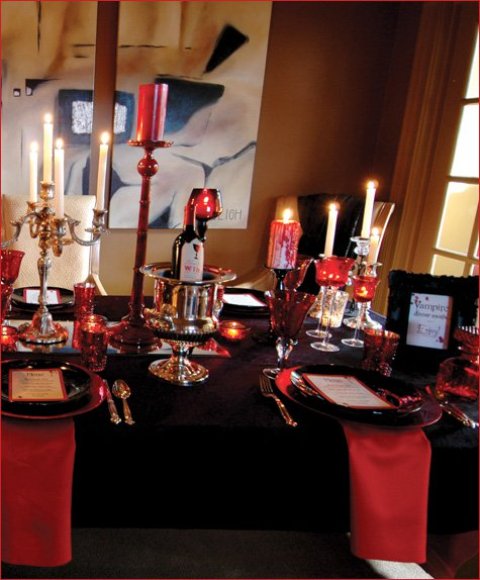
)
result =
(121, 390)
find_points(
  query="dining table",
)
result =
(219, 454)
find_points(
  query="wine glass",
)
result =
(320, 300)
(208, 206)
(363, 292)
(332, 273)
(288, 309)
(294, 278)
(10, 268)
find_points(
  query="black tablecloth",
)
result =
(219, 455)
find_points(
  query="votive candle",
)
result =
(102, 170)
(283, 243)
(152, 109)
(368, 211)
(59, 179)
(47, 147)
(331, 226)
(33, 173)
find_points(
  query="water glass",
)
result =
(93, 340)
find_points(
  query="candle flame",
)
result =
(34, 147)
(375, 232)
(287, 214)
(104, 138)
(372, 184)
(48, 118)
(59, 143)
(333, 207)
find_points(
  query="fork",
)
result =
(267, 391)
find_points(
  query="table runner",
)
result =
(37, 472)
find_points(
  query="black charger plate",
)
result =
(18, 300)
(239, 310)
(425, 412)
(78, 384)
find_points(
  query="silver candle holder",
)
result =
(362, 249)
(52, 236)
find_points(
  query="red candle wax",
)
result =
(152, 108)
(283, 244)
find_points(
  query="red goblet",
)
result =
(363, 292)
(294, 278)
(288, 309)
(332, 273)
(9, 268)
(208, 205)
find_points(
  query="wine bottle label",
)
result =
(191, 263)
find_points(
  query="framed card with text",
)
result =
(425, 310)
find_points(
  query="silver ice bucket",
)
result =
(185, 314)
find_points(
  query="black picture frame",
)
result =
(459, 293)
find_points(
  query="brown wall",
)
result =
(335, 87)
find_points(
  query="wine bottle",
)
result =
(187, 254)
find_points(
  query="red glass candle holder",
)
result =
(379, 350)
(233, 330)
(84, 297)
(364, 288)
(94, 341)
(333, 271)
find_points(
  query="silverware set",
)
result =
(267, 391)
(122, 391)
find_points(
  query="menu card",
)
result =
(248, 300)
(429, 320)
(36, 385)
(347, 391)
(30, 295)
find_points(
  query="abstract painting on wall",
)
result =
(212, 55)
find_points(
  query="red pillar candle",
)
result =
(283, 243)
(152, 108)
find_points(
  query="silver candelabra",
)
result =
(51, 232)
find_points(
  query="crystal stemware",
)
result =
(332, 272)
(288, 309)
(363, 292)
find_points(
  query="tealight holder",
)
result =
(233, 330)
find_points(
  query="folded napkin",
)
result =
(37, 470)
(389, 479)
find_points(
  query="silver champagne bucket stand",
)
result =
(184, 315)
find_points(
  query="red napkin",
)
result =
(389, 476)
(37, 471)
